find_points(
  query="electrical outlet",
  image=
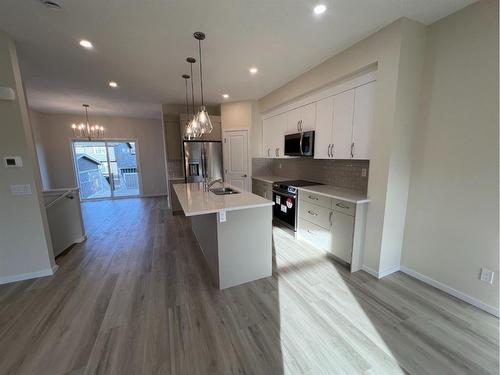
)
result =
(363, 172)
(487, 275)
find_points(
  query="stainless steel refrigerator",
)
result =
(202, 159)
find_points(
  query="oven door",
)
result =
(284, 208)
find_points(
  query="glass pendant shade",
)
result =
(204, 121)
(195, 127)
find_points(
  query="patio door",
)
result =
(106, 169)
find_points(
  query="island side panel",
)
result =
(205, 230)
(245, 246)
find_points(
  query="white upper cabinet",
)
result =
(273, 136)
(267, 137)
(301, 119)
(308, 117)
(324, 125)
(343, 107)
(342, 117)
(293, 121)
(279, 128)
(364, 103)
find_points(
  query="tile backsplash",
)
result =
(175, 169)
(346, 174)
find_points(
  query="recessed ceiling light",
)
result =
(319, 9)
(253, 70)
(225, 96)
(86, 44)
(113, 84)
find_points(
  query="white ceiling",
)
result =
(142, 44)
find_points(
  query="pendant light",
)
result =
(85, 130)
(188, 132)
(202, 116)
(193, 124)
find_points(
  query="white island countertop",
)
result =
(334, 192)
(194, 201)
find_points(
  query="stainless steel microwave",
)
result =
(300, 144)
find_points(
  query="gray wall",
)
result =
(452, 217)
(53, 133)
(25, 246)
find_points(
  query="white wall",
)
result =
(53, 133)
(397, 51)
(25, 246)
(452, 216)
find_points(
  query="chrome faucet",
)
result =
(207, 183)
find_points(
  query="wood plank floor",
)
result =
(135, 298)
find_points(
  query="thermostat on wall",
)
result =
(12, 162)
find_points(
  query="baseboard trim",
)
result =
(81, 239)
(29, 275)
(380, 274)
(455, 293)
(153, 195)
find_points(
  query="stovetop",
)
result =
(292, 185)
(297, 183)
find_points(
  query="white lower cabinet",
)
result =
(327, 223)
(342, 232)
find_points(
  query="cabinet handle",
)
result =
(298, 128)
(330, 218)
(312, 213)
(278, 151)
(329, 150)
(300, 125)
(312, 197)
(244, 175)
(342, 206)
(268, 152)
(352, 149)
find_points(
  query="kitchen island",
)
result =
(234, 232)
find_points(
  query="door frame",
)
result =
(137, 157)
(249, 160)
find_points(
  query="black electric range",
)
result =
(285, 201)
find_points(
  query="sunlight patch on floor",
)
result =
(316, 311)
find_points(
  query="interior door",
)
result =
(236, 159)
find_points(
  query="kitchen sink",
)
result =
(223, 191)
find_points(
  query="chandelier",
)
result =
(85, 130)
(200, 123)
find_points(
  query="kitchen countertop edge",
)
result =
(332, 192)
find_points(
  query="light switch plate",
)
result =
(222, 216)
(20, 189)
(363, 172)
(12, 162)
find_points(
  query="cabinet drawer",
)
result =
(348, 208)
(315, 214)
(318, 236)
(317, 199)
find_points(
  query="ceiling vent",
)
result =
(52, 4)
